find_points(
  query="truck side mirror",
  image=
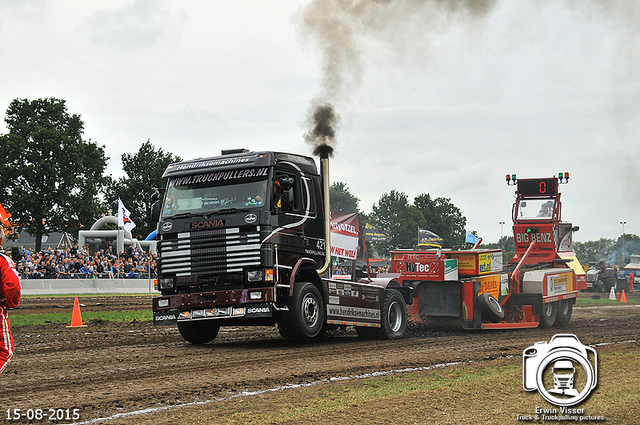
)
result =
(286, 182)
(283, 193)
(155, 211)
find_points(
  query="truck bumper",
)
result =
(231, 304)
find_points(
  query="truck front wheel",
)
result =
(548, 314)
(199, 331)
(306, 316)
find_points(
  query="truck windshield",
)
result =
(536, 209)
(190, 198)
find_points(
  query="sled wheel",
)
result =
(565, 307)
(548, 314)
(490, 307)
(198, 332)
(306, 316)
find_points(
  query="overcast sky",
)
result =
(435, 99)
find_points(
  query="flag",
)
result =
(371, 234)
(471, 238)
(428, 238)
(4, 216)
(124, 220)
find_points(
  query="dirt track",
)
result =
(108, 368)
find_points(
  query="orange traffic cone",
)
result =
(623, 298)
(76, 317)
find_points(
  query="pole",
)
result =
(622, 250)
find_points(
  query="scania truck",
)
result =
(244, 240)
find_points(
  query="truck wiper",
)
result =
(186, 215)
(226, 211)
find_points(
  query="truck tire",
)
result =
(199, 331)
(393, 316)
(565, 307)
(306, 316)
(393, 319)
(284, 327)
(548, 315)
(490, 307)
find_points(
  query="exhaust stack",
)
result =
(324, 170)
(322, 136)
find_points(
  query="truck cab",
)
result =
(229, 227)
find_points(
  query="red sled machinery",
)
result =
(537, 287)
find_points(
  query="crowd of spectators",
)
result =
(78, 262)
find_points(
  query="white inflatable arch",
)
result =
(122, 236)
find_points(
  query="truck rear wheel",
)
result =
(565, 307)
(490, 307)
(393, 315)
(306, 316)
(393, 319)
(548, 314)
(199, 331)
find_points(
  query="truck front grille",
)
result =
(208, 253)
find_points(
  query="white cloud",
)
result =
(136, 25)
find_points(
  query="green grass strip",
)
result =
(56, 318)
(604, 301)
(140, 294)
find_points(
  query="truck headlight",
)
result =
(254, 276)
(165, 283)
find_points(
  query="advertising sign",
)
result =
(345, 228)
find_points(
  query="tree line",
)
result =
(52, 179)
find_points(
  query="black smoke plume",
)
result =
(322, 136)
(341, 27)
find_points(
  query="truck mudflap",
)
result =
(165, 317)
(436, 299)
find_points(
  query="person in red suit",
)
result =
(10, 291)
